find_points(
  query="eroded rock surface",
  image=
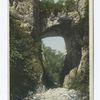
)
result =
(79, 76)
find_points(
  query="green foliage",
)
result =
(46, 8)
(54, 62)
(25, 67)
(49, 6)
(70, 5)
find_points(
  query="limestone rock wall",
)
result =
(78, 77)
(23, 13)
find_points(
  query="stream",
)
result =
(55, 94)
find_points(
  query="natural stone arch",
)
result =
(73, 47)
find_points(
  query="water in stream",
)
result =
(56, 94)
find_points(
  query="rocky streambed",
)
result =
(57, 94)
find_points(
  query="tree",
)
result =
(54, 62)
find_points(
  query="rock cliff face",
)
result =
(75, 72)
(22, 11)
(74, 30)
(23, 77)
(78, 77)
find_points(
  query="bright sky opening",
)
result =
(56, 43)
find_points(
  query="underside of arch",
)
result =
(73, 47)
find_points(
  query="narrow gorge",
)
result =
(34, 20)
